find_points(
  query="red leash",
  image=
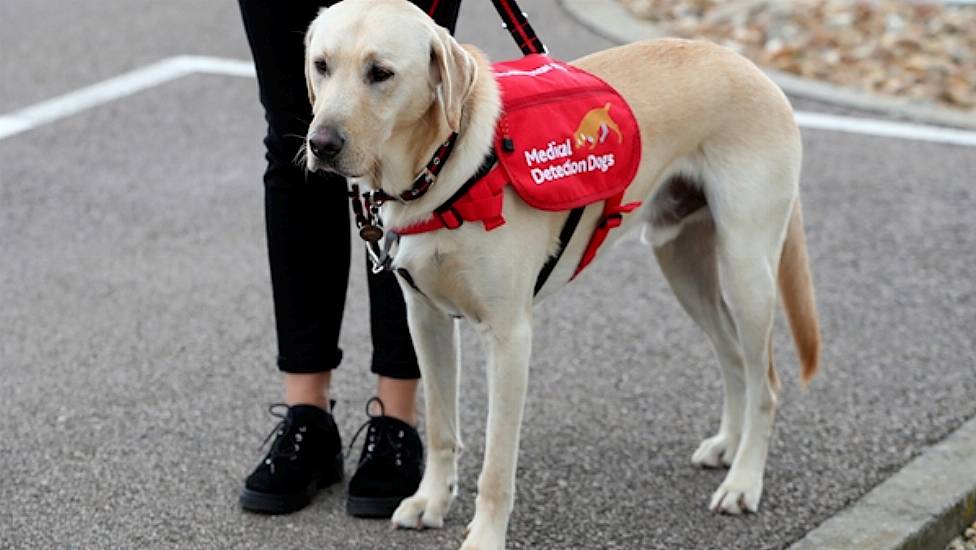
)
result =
(518, 26)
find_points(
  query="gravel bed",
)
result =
(966, 541)
(923, 51)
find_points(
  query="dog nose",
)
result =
(326, 142)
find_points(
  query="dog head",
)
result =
(380, 75)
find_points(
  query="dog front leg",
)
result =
(509, 347)
(435, 337)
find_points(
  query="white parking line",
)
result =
(177, 67)
(118, 87)
(885, 128)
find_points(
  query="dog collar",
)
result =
(366, 206)
(425, 179)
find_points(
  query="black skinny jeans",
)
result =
(307, 215)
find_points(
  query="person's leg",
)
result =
(444, 12)
(308, 282)
(309, 285)
(308, 314)
(308, 389)
(390, 466)
(394, 359)
(307, 224)
(306, 342)
(399, 398)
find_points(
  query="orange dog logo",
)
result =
(595, 127)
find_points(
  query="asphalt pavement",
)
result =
(137, 344)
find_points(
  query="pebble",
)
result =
(965, 542)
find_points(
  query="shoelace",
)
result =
(278, 449)
(371, 444)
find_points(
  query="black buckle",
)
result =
(605, 221)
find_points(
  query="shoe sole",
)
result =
(372, 507)
(274, 503)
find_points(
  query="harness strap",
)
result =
(479, 199)
(564, 237)
(409, 279)
(613, 214)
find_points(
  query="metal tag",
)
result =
(371, 233)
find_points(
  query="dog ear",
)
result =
(308, 65)
(454, 71)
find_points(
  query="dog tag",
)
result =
(371, 233)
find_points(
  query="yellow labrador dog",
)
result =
(719, 182)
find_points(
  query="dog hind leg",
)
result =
(689, 264)
(751, 207)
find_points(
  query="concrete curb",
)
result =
(925, 505)
(612, 21)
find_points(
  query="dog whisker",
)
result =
(301, 156)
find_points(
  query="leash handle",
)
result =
(518, 26)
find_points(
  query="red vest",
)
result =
(565, 139)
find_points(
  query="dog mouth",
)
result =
(334, 170)
(319, 166)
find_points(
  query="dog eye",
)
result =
(321, 66)
(379, 74)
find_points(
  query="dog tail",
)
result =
(796, 290)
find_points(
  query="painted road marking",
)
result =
(118, 87)
(172, 68)
(885, 128)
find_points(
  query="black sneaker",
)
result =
(390, 466)
(305, 456)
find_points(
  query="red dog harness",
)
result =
(565, 139)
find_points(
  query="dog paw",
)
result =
(420, 512)
(482, 538)
(716, 452)
(479, 546)
(736, 498)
